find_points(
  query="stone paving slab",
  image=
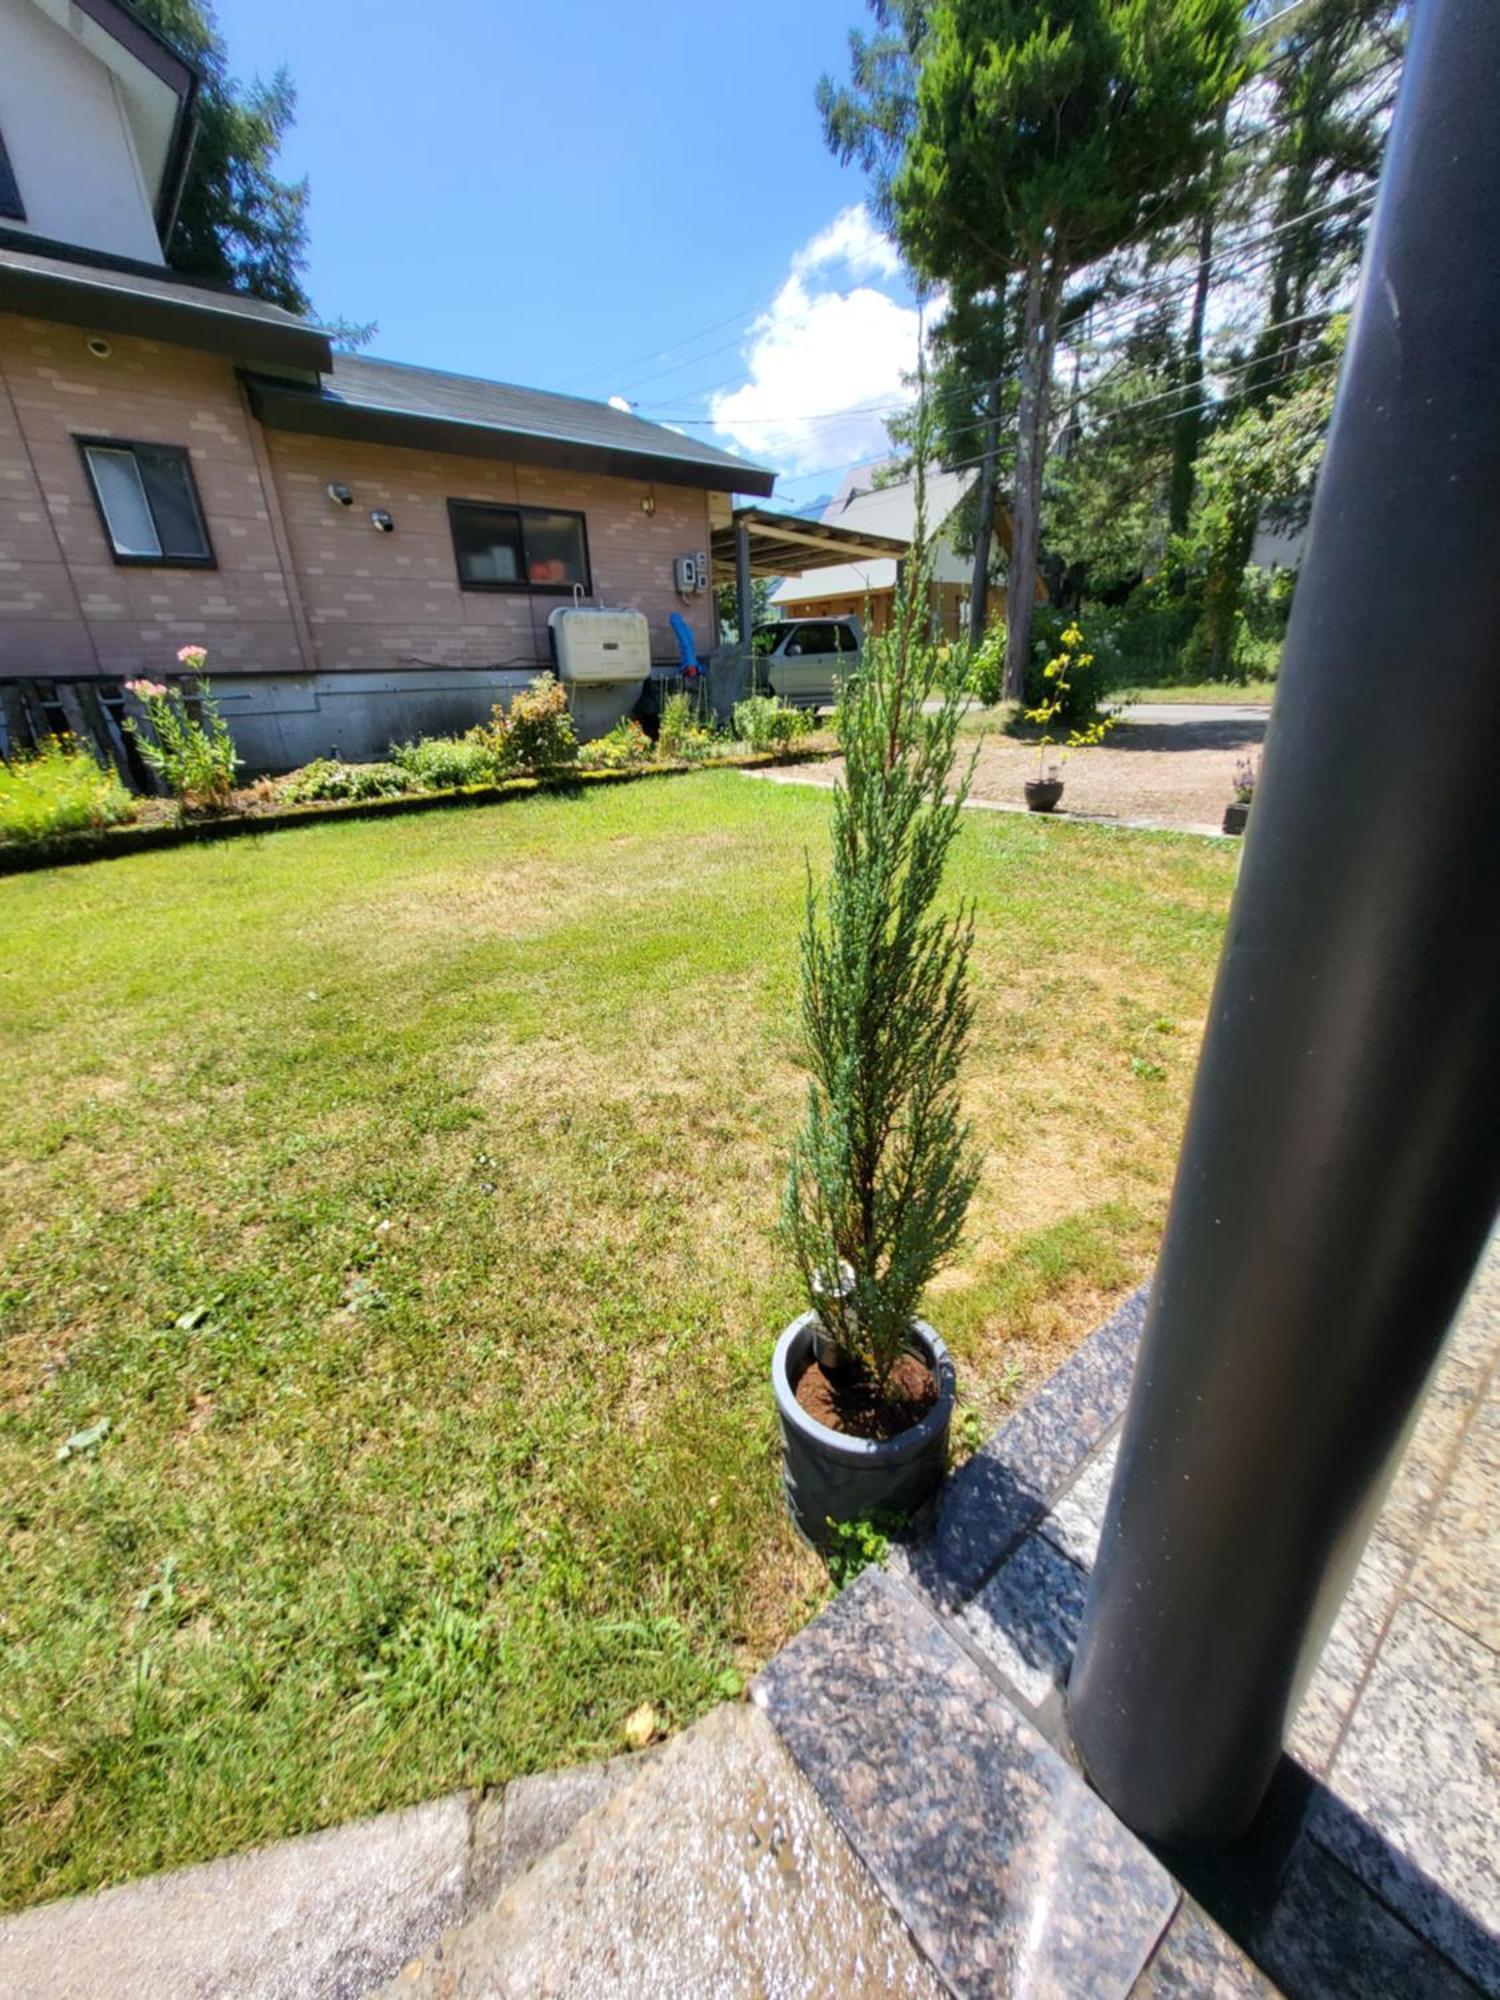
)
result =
(1005, 1488)
(1458, 1568)
(330, 1915)
(1026, 1619)
(715, 1873)
(1420, 1767)
(1012, 1876)
(1195, 1961)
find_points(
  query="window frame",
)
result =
(523, 585)
(12, 206)
(85, 444)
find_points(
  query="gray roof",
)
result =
(395, 403)
(119, 295)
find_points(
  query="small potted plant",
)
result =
(1044, 791)
(1237, 813)
(882, 1172)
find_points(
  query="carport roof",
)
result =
(788, 545)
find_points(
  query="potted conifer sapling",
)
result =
(882, 1172)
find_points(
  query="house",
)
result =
(368, 550)
(867, 589)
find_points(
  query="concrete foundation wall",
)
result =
(279, 721)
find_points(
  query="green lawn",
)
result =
(1258, 693)
(399, 1195)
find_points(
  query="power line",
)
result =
(1150, 291)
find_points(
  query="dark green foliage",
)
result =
(883, 1170)
(1049, 134)
(237, 222)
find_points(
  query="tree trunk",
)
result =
(1188, 429)
(984, 533)
(1043, 293)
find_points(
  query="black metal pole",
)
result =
(1341, 1167)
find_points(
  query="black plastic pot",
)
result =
(1236, 816)
(1042, 794)
(830, 1476)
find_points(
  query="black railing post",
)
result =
(1341, 1167)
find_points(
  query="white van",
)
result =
(803, 660)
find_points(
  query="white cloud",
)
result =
(824, 365)
(619, 403)
(851, 239)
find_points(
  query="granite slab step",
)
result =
(1008, 1871)
(714, 1873)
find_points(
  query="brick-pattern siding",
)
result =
(370, 601)
(376, 600)
(65, 605)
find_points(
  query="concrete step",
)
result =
(714, 1872)
(325, 1917)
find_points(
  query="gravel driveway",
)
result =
(1177, 772)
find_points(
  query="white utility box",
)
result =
(593, 646)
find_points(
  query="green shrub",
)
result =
(682, 732)
(984, 675)
(325, 778)
(625, 745)
(194, 757)
(1075, 699)
(539, 728)
(765, 723)
(444, 763)
(60, 789)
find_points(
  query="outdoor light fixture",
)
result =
(648, 505)
(381, 520)
(340, 494)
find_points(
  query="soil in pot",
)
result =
(846, 1399)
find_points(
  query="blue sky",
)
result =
(603, 199)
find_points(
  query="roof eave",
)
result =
(73, 301)
(289, 409)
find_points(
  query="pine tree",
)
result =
(237, 222)
(1049, 134)
(883, 1170)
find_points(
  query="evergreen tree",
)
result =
(237, 222)
(883, 1170)
(870, 120)
(1047, 135)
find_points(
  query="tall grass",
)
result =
(58, 789)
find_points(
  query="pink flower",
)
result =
(147, 690)
(192, 656)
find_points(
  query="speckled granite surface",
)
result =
(1012, 1481)
(1392, 1882)
(1010, 1874)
